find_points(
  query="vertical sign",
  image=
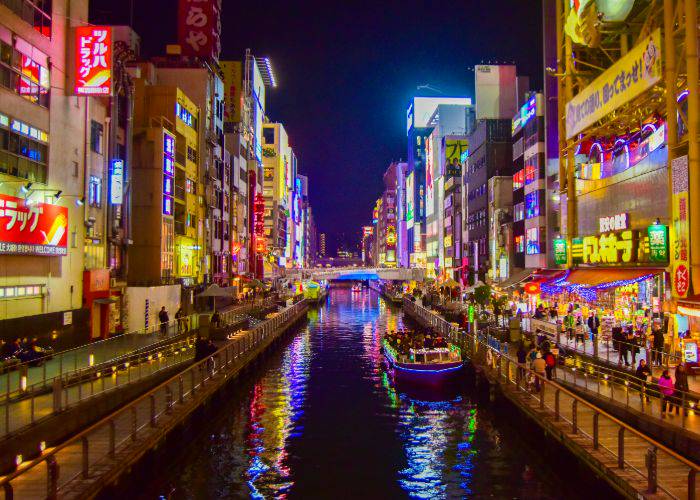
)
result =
(168, 173)
(680, 248)
(116, 182)
(93, 60)
(199, 28)
(658, 243)
(560, 251)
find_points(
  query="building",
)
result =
(366, 245)
(322, 245)
(386, 236)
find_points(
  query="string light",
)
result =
(587, 292)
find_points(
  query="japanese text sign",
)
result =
(629, 77)
(93, 60)
(617, 222)
(199, 28)
(658, 243)
(680, 227)
(38, 229)
(560, 251)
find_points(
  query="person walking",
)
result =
(642, 374)
(681, 386)
(569, 324)
(657, 335)
(181, 321)
(593, 325)
(550, 361)
(666, 389)
(164, 319)
(522, 362)
(539, 366)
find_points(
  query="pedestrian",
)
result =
(593, 325)
(539, 367)
(569, 323)
(682, 388)
(181, 321)
(550, 361)
(657, 344)
(216, 319)
(164, 319)
(200, 348)
(619, 340)
(666, 389)
(632, 345)
(522, 360)
(580, 337)
(642, 374)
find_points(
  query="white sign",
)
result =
(617, 222)
(116, 182)
(67, 318)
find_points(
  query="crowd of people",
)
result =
(405, 340)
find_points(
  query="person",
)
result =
(539, 312)
(569, 322)
(618, 337)
(642, 374)
(553, 314)
(550, 361)
(200, 348)
(579, 333)
(539, 367)
(632, 345)
(164, 319)
(657, 344)
(666, 389)
(181, 321)
(522, 360)
(593, 325)
(216, 319)
(682, 387)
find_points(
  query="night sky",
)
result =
(346, 74)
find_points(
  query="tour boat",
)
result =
(433, 365)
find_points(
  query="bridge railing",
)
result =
(100, 444)
(659, 467)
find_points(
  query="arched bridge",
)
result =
(356, 273)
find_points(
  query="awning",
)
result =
(587, 282)
(517, 277)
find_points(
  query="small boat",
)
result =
(428, 365)
(356, 288)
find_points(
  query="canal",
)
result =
(320, 418)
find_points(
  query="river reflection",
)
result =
(321, 418)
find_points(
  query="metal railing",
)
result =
(100, 444)
(659, 467)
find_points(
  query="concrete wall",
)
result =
(157, 297)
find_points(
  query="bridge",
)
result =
(357, 273)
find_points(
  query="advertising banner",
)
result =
(233, 81)
(429, 177)
(454, 148)
(410, 201)
(680, 236)
(199, 28)
(629, 77)
(559, 247)
(37, 229)
(658, 243)
(93, 60)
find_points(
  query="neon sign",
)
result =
(93, 59)
(116, 182)
(614, 223)
(168, 173)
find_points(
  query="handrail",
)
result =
(50, 453)
(690, 464)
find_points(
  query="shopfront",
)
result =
(101, 304)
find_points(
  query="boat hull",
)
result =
(433, 374)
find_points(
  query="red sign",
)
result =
(199, 28)
(38, 229)
(93, 60)
(681, 280)
(236, 247)
(532, 288)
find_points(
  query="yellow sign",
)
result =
(233, 81)
(680, 236)
(611, 248)
(630, 76)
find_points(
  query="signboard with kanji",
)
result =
(560, 251)
(680, 227)
(93, 60)
(199, 28)
(658, 243)
(36, 229)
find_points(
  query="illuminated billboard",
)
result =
(410, 201)
(168, 173)
(258, 109)
(93, 60)
(421, 109)
(233, 80)
(199, 28)
(429, 177)
(36, 229)
(454, 150)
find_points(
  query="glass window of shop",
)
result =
(35, 12)
(23, 156)
(24, 76)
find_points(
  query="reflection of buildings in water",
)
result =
(276, 406)
(437, 438)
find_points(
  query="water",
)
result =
(320, 418)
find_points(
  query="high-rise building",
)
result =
(322, 245)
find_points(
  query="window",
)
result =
(520, 244)
(95, 191)
(519, 212)
(191, 186)
(531, 171)
(533, 241)
(23, 75)
(191, 154)
(35, 12)
(518, 180)
(532, 205)
(23, 150)
(268, 135)
(23, 291)
(96, 131)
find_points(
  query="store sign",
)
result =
(168, 173)
(232, 72)
(116, 182)
(617, 222)
(199, 28)
(528, 110)
(690, 351)
(37, 229)
(630, 76)
(658, 243)
(623, 247)
(93, 60)
(680, 227)
(559, 246)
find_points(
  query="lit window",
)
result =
(533, 241)
(518, 182)
(532, 205)
(10, 291)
